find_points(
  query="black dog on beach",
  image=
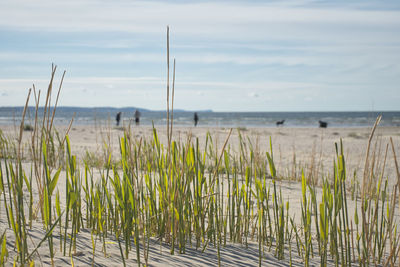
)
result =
(323, 124)
(280, 123)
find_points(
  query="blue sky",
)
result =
(231, 55)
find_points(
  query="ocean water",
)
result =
(104, 115)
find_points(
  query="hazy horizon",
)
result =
(233, 56)
(204, 110)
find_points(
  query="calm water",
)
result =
(84, 116)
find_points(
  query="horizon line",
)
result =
(203, 110)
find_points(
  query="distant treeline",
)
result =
(80, 111)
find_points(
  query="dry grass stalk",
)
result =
(168, 137)
(395, 163)
(366, 166)
(172, 104)
(58, 95)
(21, 131)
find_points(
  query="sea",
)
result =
(106, 115)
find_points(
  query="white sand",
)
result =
(312, 149)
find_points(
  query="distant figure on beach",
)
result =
(118, 118)
(280, 123)
(137, 117)
(196, 119)
(323, 124)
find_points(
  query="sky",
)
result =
(240, 55)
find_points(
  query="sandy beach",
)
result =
(294, 149)
(311, 150)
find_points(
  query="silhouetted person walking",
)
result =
(118, 118)
(137, 117)
(196, 119)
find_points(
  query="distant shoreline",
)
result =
(106, 115)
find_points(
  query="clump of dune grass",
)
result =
(187, 195)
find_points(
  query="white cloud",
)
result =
(254, 95)
(211, 18)
(217, 96)
(81, 57)
(295, 52)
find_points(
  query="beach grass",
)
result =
(185, 195)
